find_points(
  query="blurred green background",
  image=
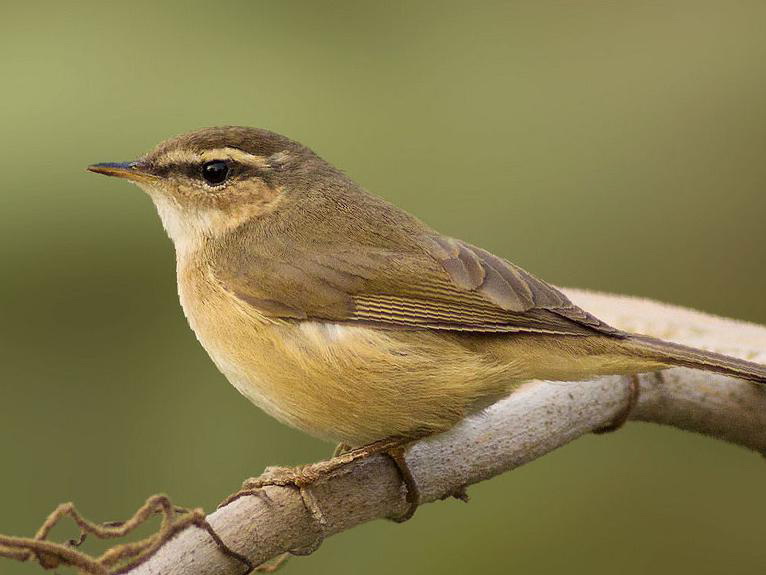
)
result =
(609, 145)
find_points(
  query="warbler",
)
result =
(345, 316)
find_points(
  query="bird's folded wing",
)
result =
(438, 283)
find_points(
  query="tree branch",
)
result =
(536, 419)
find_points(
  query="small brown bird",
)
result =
(348, 318)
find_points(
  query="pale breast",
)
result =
(230, 332)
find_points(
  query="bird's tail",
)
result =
(681, 355)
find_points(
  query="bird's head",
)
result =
(208, 181)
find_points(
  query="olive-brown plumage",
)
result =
(346, 316)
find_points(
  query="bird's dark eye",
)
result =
(215, 172)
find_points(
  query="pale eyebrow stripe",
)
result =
(175, 157)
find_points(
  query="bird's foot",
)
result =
(393, 447)
(624, 415)
(413, 493)
(340, 449)
(302, 477)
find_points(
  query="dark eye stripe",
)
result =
(193, 170)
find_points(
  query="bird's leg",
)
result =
(304, 476)
(413, 493)
(300, 478)
(340, 449)
(622, 418)
(394, 448)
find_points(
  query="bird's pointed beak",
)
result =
(135, 171)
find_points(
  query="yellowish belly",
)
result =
(341, 382)
(357, 384)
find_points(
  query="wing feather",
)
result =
(436, 283)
